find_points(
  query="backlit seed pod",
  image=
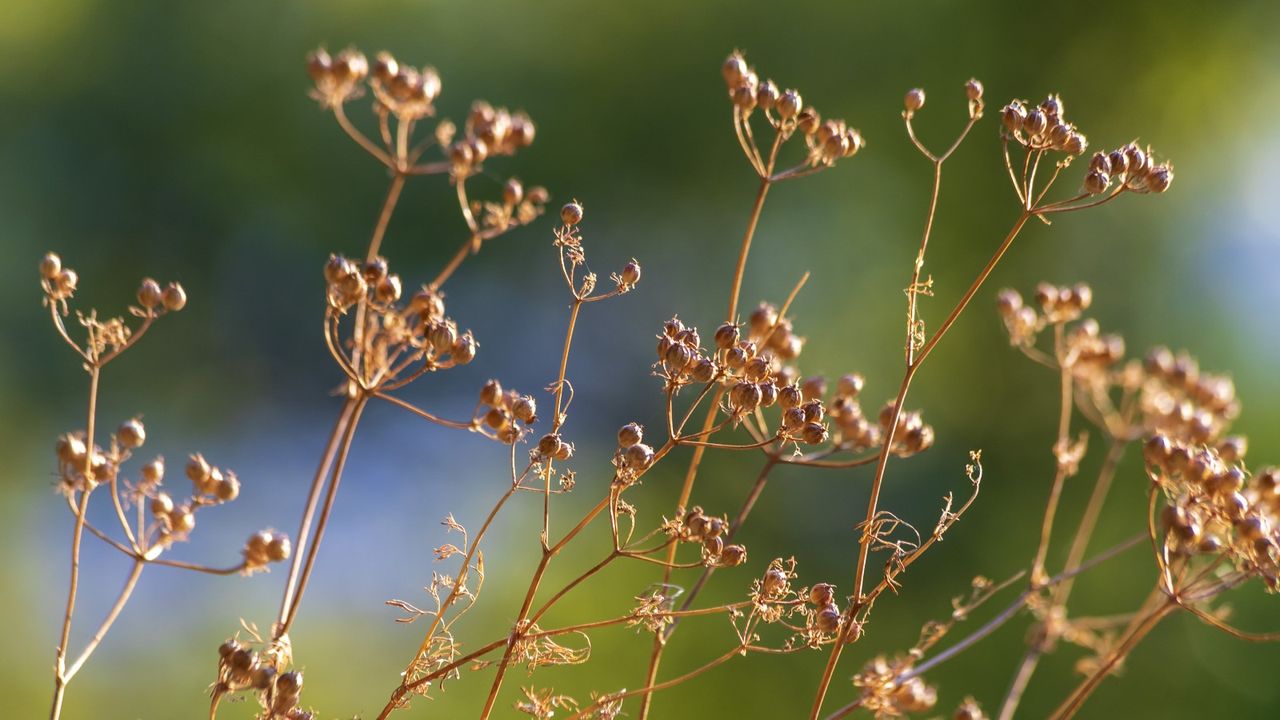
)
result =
(198, 470)
(813, 410)
(336, 268)
(464, 349)
(1233, 448)
(913, 101)
(182, 520)
(66, 282)
(150, 296)
(153, 472)
(734, 69)
(525, 409)
(1253, 527)
(973, 89)
(496, 418)
(638, 457)
(768, 394)
(131, 434)
(1096, 182)
(814, 433)
(727, 336)
(630, 273)
(1160, 178)
(565, 452)
(161, 505)
(808, 121)
(744, 98)
(1136, 159)
(822, 594)
(353, 64)
(836, 146)
(388, 290)
(71, 448)
(1058, 135)
(319, 64)
(228, 488)
(1100, 162)
(491, 393)
(713, 546)
(174, 297)
(850, 386)
(262, 677)
(1082, 296)
(715, 527)
(1075, 144)
(512, 192)
(793, 419)
(756, 369)
(774, 581)
(630, 434)
(523, 132)
(762, 319)
(733, 555)
(1008, 302)
(289, 683)
(1035, 122)
(571, 213)
(814, 387)
(767, 96)
(854, 141)
(696, 522)
(1013, 115)
(827, 619)
(744, 397)
(50, 266)
(704, 370)
(550, 444)
(790, 104)
(790, 396)
(385, 67)
(677, 358)
(280, 548)
(1052, 107)
(242, 660)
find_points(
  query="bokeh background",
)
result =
(177, 140)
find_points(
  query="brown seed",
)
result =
(913, 101)
(571, 213)
(174, 297)
(50, 266)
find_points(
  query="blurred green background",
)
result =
(176, 140)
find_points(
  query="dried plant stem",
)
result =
(60, 676)
(865, 543)
(384, 218)
(340, 460)
(129, 584)
(1092, 512)
(1060, 449)
(1136, 632)
(308, 514)
(650, 688)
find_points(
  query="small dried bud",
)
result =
(733, 555)
(198, 470)
(822, 594)
(638, 457)
(319, 64)
(1096, 182)
(150, 296)
(1035, 122)
(630, 434)
(228, 488)
(850, 386)
(973, 89)
(827, 619)
(385, 67)
(525, 409)
(174, 297)
(1160, 178)
(512, 192)
(630, 273)
(1013, 116)
(279, 548)
(50, 266)
(767, 96)
(790, 104)
(161, 505)
(153, 472)
(491, 393)
(131, 434)
(464, 349)
(914, 100)
(734, 69)
(814, 433)
(571, 213)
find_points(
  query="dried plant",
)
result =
(1212, 525)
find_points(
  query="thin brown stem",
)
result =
(129, 584)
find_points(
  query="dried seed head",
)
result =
(491, 393)
(808, 121)
(1160, 178)
(131, 434)
(227, 488)
(1052, 107)
(630, 273)
(161, 505)
(1096, 182)
(734, 69)
(512, 192)
(50, 266)
(279, 548)
(198, 470)
(973, 89)
(174, 297)
(385, 67)
(1013, 115)
(969, 710)
(822, 594)
(525, 409)
(733, 555)
(790, 104)
(319, 64)
(1035, 122)
(814, 433)
(913, 101)
(827, 619)
(638, 457)
(153, 472)
(150, 296)
(727, 336)
(571, 213)
(464, 349)
(630, 434)
(767, 96)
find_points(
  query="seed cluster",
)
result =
(827, 141)
(242, 668)
(698, 527)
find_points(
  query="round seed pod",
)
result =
(161, 505)
(827, 619)
(913, 101)
(973, 89)
(464, 349)
(153, 472)
(491, 393)
(131, 434)
(525, 409)
(733, 555)
(550, 444)
(630, 273)
(630, 434)
(638, 457)
(822, 594)
(774, 581)
(279, 548)
(174, 297)
(571, 213)
(150, 295)
(790, 104)
(50, 266)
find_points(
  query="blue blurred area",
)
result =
(176, 140)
